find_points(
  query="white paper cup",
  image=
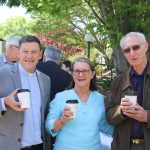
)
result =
(24, 98)
(132, 99)
(73, 106)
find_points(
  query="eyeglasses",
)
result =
(134, 48)
(84, 72)
(15, 46)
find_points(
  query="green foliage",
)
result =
(128, 16)
(17, 26)
(106, 20)
(105, 82)
(72, 16)
(109, 17)
(10, 3)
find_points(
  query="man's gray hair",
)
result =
(139, 35)
(13, 41)
(53, 53)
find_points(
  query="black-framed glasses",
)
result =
(134, 48)
(84, 72)
(15, 46)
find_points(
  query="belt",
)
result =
(33, 147)
(137, 141)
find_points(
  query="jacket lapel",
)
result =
(40, 81)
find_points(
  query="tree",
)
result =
(121, 17)
(15, 26)
(107, 20)
(67, 50)
(73, 16)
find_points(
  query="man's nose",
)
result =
(29, 55)
(81, 73)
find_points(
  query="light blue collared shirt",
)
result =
(32, 116)
(82, 132)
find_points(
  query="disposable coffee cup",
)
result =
(73, 106)
(132, 97)
(24, 98)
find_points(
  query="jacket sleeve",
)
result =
(113, 111)
(148, 119)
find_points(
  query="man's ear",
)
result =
(40, 54)
(146, 46)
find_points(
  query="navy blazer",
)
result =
(60, 79)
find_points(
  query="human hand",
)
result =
(67, 114)
(126, 105)
(10, 101)
(138, 113)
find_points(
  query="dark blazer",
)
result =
(60, 79)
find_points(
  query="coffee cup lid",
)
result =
(73, 101)
(23, 90)
(132, 93)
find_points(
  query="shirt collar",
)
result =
(24, 72)
(6, 61)
(134, 73)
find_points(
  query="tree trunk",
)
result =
(120, 63)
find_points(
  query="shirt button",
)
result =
(19, 140)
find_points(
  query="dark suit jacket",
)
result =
(60, 79)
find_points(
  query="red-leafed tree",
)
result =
(67, 48)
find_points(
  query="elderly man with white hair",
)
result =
(11, 53)
(131, 120)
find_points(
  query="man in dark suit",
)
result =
(60, 79)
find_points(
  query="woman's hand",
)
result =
(67, 115)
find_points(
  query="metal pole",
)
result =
(89, 49)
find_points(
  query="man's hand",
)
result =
(136, 112)
(125, 105)
(10, 101)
